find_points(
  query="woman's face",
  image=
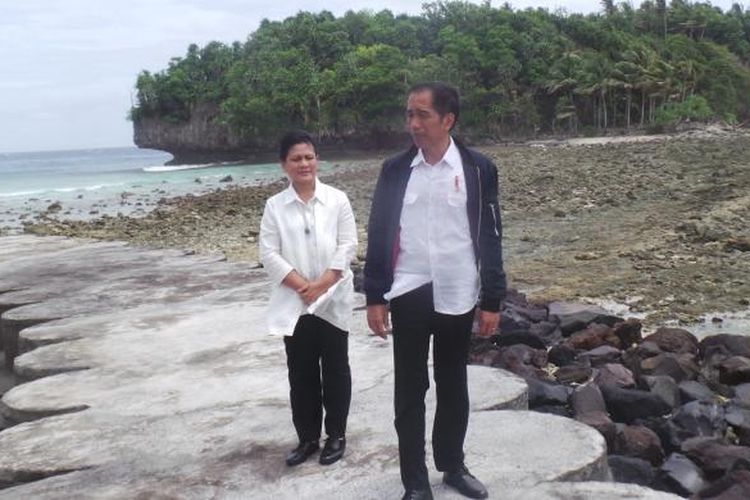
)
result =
(301, 164)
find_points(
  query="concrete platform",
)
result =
(157, 380)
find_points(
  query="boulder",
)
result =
(587, 398)
(734, 370)
(614, 374)
(544, 393)
(520, 337)
(742, 393)
(713, 456)
(562, 354)
(679, 367)
(674, 340)
(700, 419)
(600, 421)
(631, 470)
(547, 331)
(738, 417)
(681, 475)
(629, 332)
(731, 345)
(601, 355)
(640, 442)
(692, 390)
(733, 485)
(593, 336)
(627, 405)
(574, 317)
(522, 360)
(573, 374)
(664, 387)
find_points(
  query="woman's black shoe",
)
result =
(332, 450)
(303, 450)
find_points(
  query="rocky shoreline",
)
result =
(674, 411)
(658, 225)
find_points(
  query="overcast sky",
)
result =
(68, 67)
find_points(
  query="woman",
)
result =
(307, 240)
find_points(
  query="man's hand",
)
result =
(488, 323)
(377, 319)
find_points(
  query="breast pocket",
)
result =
(456, 200)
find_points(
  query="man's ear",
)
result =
(449, 120)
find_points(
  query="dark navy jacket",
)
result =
(484, 223)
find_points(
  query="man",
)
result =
(434, 250)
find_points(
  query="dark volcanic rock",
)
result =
(739, 418)
(734, 485)
(731, 345)
(627, 405)
(526, 338)
(674, 340)
(593, 336)
(587, 398)
(574, 373)
(614, 374)
(640, 442)
(544, 393)
(734, 370)
(700, 418)
(573, 317)
(602, 355)
(692, 390)
(681, 475)
(742, 393)
(522, 360)
(630, 470)
(664, 387)
(628, 331)
(713, 456)
(547, 331)
(562, 354)
(679, 367)
(600, 421)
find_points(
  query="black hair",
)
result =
(445, 97)
(291, 139)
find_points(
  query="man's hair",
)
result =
(291, 139)
(445, 97)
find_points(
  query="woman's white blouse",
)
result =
(309, 238)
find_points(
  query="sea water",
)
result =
(94, 182)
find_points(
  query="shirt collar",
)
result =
(321, 193)
(452, 157)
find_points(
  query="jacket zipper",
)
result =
(479, 217)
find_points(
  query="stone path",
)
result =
(147, 373)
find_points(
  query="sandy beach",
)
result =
(657, 225)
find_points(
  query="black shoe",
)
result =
(303, 450)
(412, 494)
(465, 483)
(332, 450)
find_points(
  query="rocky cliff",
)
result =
(205, 139)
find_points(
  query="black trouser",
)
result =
(414, 320)
(318, 351)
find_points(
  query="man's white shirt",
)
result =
(435, 240)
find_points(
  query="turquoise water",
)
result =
(93, 182)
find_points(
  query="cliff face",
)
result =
(204, 139)
(201, 139)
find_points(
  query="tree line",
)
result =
(519, 72)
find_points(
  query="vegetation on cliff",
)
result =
(519, 71)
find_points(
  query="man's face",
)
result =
(427, 128)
